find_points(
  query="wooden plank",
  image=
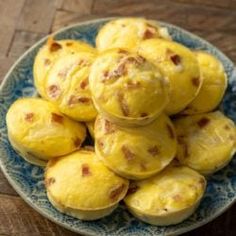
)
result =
(212, 3)
(5, 187)
(9, 12)
(79, 6)
(5, 64)
(37, 16)
(22, 41)
(64, 18)
(17, 218)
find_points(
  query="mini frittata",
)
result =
(177, 63)
(167, 198)
(81, 186)
(49, 52)
(213, 86)
(39, 132)
(206, 141)
(135, 153)
(67, 86)
(126, 88)
(128, 33)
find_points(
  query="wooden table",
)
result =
(23, 22)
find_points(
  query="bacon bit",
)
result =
(123, 104)
(49, 181)
(123, 51)
(226, 127)
(84, 83)
(57, 118)
(84, 100)
(196, 81)
(54, 91)
(171, 131)
(109, 127)
(129, 155)
(85, 170)
(149, 32)
(47, 62)
(120, 71)
(153, 151)
(100, 143)
(202, 182)
(75, 99)
(143, 114)
(176, 59)
(77, 143)
(203, 122)
(29, 117)
(133, 84)
(232, 137)
(116, 191)
(177, 197)
(133, 187)
(143, 167)
(55, 47)
(69, 44)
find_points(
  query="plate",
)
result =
(27, 179)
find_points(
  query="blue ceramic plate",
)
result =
(27, 179)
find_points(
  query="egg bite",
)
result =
(67, 86)
(39, 132)
(206, 141)
(167, 198)
(179, 65)
(213, 86)
(126, 88)
(47, 55)
(128, 33)
(135, 153)
(87, 189)
(90, 127)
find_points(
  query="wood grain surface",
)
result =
(23, 22)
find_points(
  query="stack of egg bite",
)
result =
(149, 104)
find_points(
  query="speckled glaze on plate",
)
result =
(27, 179)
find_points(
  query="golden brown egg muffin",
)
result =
(167, 198)
(128, 33)
(67, 85)
(87, 189)
(213, 87)
(179, 65)
(135, 153)
(126, 88)
(206, 141)
(39, 132)
(47, 55)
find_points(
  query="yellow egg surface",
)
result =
(167, 198)
(67, 85)
(90, 126)
(81, 182)
(135, 153)
(213, 87)
(128, 33)
(126, 88)
(179, 65)
(47, 55)
(38, 128)
(206, 141)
